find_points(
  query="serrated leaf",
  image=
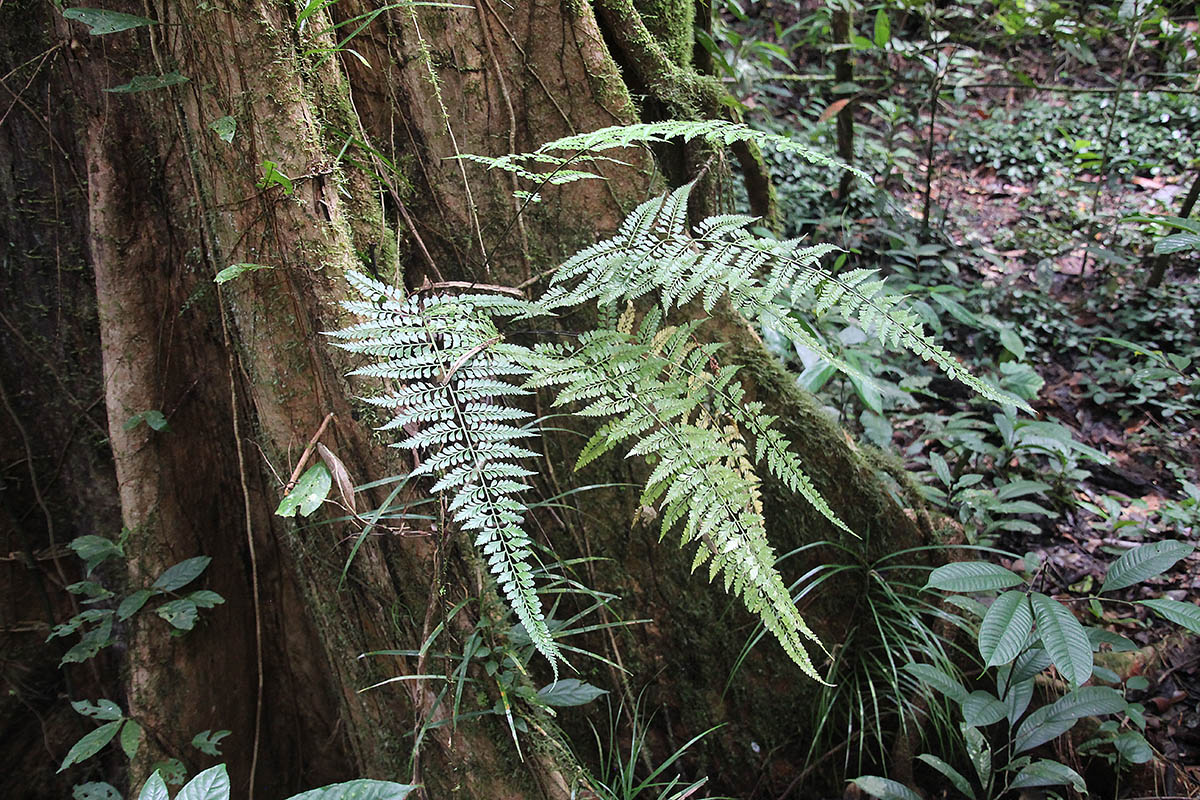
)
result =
(308, 494)
(209, 742)
(1144, 562)
(91, 744)
(982, 709)
(954, 776)
(1064, 639)
(358, 790)
(1184, 614)
(154, 788)
(1005, 628)
(103, 22)
(972, 576)
(569, 692)
(939, 680)
(234, 270)
(224, 128)
(146, 83)
(131, 738)
(211, 784)
(95, 790)
(1048, 773)
(181, 574)
(885, 788)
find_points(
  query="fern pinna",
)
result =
(453, 368)
(663, 398)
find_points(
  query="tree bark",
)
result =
(149, 203)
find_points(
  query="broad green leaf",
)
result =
(224, 128)
(1133, 747)
(1017, 699)
(273, 177)
(1144, 562)
(1012, 343)
(1048, 773)
(91, 744)
(1063, 638)
(1019, 488)
(146, 83)
(104, 710)
(885, 788)
(938, 680)
(209, 742)
(181, 613)
(1029, 664)
(883, 28)
(971, 576)
(91, 642)
(95, 549)
(1184, 614)
(954, 776)
(182, 574)
(212, 784)
(569, 692)
(205, 598)
(1087, 701)
(941, 469)
(95, 791)
(1005, 628)
(1177, 243)
(310, 491)
(982, 709)
(358, 790)
(154, 788)
(1118, 643)
(233, 270)
(1038, 728)
(978, 752)
(172, 770)
(102, 21)
(131, 738)
(133, 604)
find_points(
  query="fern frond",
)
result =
(701, 476)
(454, 368)
(544, 165)
(654, 252)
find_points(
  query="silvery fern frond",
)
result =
(655, 396)
(452, 370)
(654, 252)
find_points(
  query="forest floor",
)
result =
(1031, 270)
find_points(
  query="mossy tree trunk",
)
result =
(135, 196)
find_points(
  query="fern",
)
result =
(653, 389)
(653, 251)
(453, 367)
(544, 165)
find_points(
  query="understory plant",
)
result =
(645, 374)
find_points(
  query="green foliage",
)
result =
(180, 611)
(308, 494)
(102, 22)
(147, 83)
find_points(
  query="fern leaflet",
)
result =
(453, 367)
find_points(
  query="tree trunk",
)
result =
(120, 209)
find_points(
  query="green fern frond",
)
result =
(544, 165)
(654, 252)
(700, 478)
(453, 368)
